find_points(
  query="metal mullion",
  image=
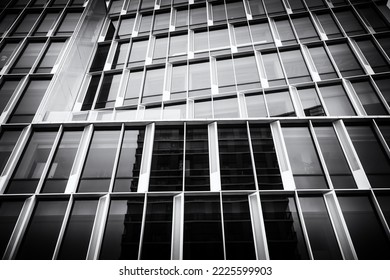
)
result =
(177, 227)
(57, 22)
(381, 138)
(296, 101)
(360, 57)
(117, 157)
(365, 24)
(184, 155)
(319, 95)
(101, 74)
(380, 214)
(141, 238)
(379, 94)
(63, 227)
(302, 222)
(333, 62)
(336, 20)
(252, 155)
(40, 55)
(49, 159)
(265, 103)
(222, 225)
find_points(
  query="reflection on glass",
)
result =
(368, 97)
(322, 238)
(32, 163)
(295, 67)
(267, 167)
(367, 232)
(247, 76)
(285, 31)
(349, 22)
(120, 55)
(38, 244)
(167, 160)
(305, 29)
(7, 89)
(49, 58)
(129, 164)
(345, 60)
(310, 102)
(384, 202)
(98, 166)
(156, 243)
(75, 242)
(337, 101)
(46, 24)
(27, 58)
(255, 105)
(68, 24)
(202, 228)
(7, 49)
(123, 230)
(329, 25)
(235, 158)
(279, 104)
(283, 228)
(9, 213)
(108, 91)
(238, 228)
(273, 69)
(305, 164)
(322, 63)
(226, 107)
(374, 57)
(8, 140)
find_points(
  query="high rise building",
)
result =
(159, 129)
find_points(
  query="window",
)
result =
(133, 5)
(146, 23)
(6, 21)
(283, 228)
(316, 4)
(273, 69)
(296, 5)
(29, 102)
(337, 165)
(68, 23)
(27, 58)
(31, 165)
(247, 76)
(235, 158)
(48, 214)
(75, 241)
(257, 8)
(198, 15)
(218, 12)
(279, 103)
(295, 67)
(7, 89)
(336, 100)
(91, 92)
(274, 6)
(161, 21)
(108, 91)
(181, 18)
(96, 175)
(138, 51)
(46, 24)
(59, 3)
(322, 63)
(305, 29)
(285, 31)
(123, 229)
(349, 22)
(129, 164)
(225, 75)
(6, 51)
(266, 162)
(126, 27)
(133, 88)
(8, 139)
(202, 228)
(368, 97)
(100, 58)
(345, 60)
(160, 49)
(226, 107)
(179, 81)
(323, 242)
(367, 233)
(376, 60)
(219, 38)
(383, 84)
(235, 10)
(197, 175)
(310, 102)
(329, 25)
(178, 45)
(201, 41)
(242, 35)
(373, 17)
(25, 24)
(261, 35)
(61, 166)
(167, 160)
(199, 79)
(153, 85)
(120, 55)
(49, 57)
(370, 151)
(255, 105)
(384, 42)
(305, 164)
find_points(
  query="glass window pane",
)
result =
(49, 57)
(178, 45)
(367, 233)
(167, 160)
(349, 22)
(7, 89)
(201, 41)
(62, 163)
(7, 50)
(247, 75)
(370, 151)
(310, 102)
(305, 164)
(46, 24)
(100, 58)
(161, 21)
(345, 60)
(138, 51)
(235, 10)
(27, 58)
(225, 75)
(383, 84)
(153, 85)
(256, 8)
(99, 162)
(197, 175)
(48, 215)
(226, 107)
(126, 27)
(32, 163)
(322, 63)
(202, 228)
(274, 6)
(29, 102)
(295, 67)
(384, 202)
(91, 92)
(285, 31)
(25, 24)
(120, 55)
(373, 17)
(129, 164)
(283, 228)
(336, 101)
(198, 15)
(8, 139)
(156, 242)
(218, 13)
(202, 109)
(122, 233)
(273, 69)
(368, 97)
(261, 34)
(146, 23)
(336, 163)
(235, 158)
(69, 23)
(179, 81)
(305, 29)
(6, 21)
(255, 105)
(108, 91)
(181, 18)
(133, 88)
(238, 228)
(279, 104)
(376, 60)
(199, 79)
(9, 213)
(242, 35)
(322, 238)
(384, 42)
(77, 234)
(267, 167)
(329, 25)
(219, 38)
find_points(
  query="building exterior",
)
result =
(235, 129)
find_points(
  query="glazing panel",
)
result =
(310, 102)
(319, 228)
(25, 24)
(376, 60)
(6, 52)
(7, 89)
(126, 27)
(336, 101)
(367, 232)
(238, 228)
(285, 31)
(27, 58)
(256, 7)
(235, 158)
(242, 35)
(305, 29)
(178, 45)
(153, 85)
(129, 165)
(133, 88)
(266, 162)
(138, 51)
(120, 55)
(283, 228)
(349, 22)
(160, 49)
(38, 244)
(199, 79)
(235, 10)
(99, 162)
(255, 105)
(100, 58)
(167, 160)
(322, 63)
(368, 97)
(225, 75)
(384, 202)
(295, 67)
(181, 17)
(279, 104)
(247, 76)
(175, 111)
(202, 228)
(345, 60)
(383, 84)
(201, 41)
(219, 38)
(46, 24)
(68, 24)
(179, 80)
(77, 234)
(146, 23)
(9, 213)
(50, 57)
(371, 154)
(198, 15)
(296, 5)
(108, 91)
(273, 69)
(62, 163)
(226, 107)
(123, 229)
(161, 21)
(329, 25)
(91, 92)
(261, 33)
(274, 6)
(203, 109)
(219, 13)
(6, 21)
(305, 164)
(8, 139)
(156, 243)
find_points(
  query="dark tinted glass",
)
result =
(345, 60)
(68, 24)
(9, 213)
(50, 57)
(8, 140)
(100, 58)
(46, 24)
(7, 50)
(7, 89)
(27, 58)
(368, 97)
(310, 102)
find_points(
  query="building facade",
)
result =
(159, 129)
